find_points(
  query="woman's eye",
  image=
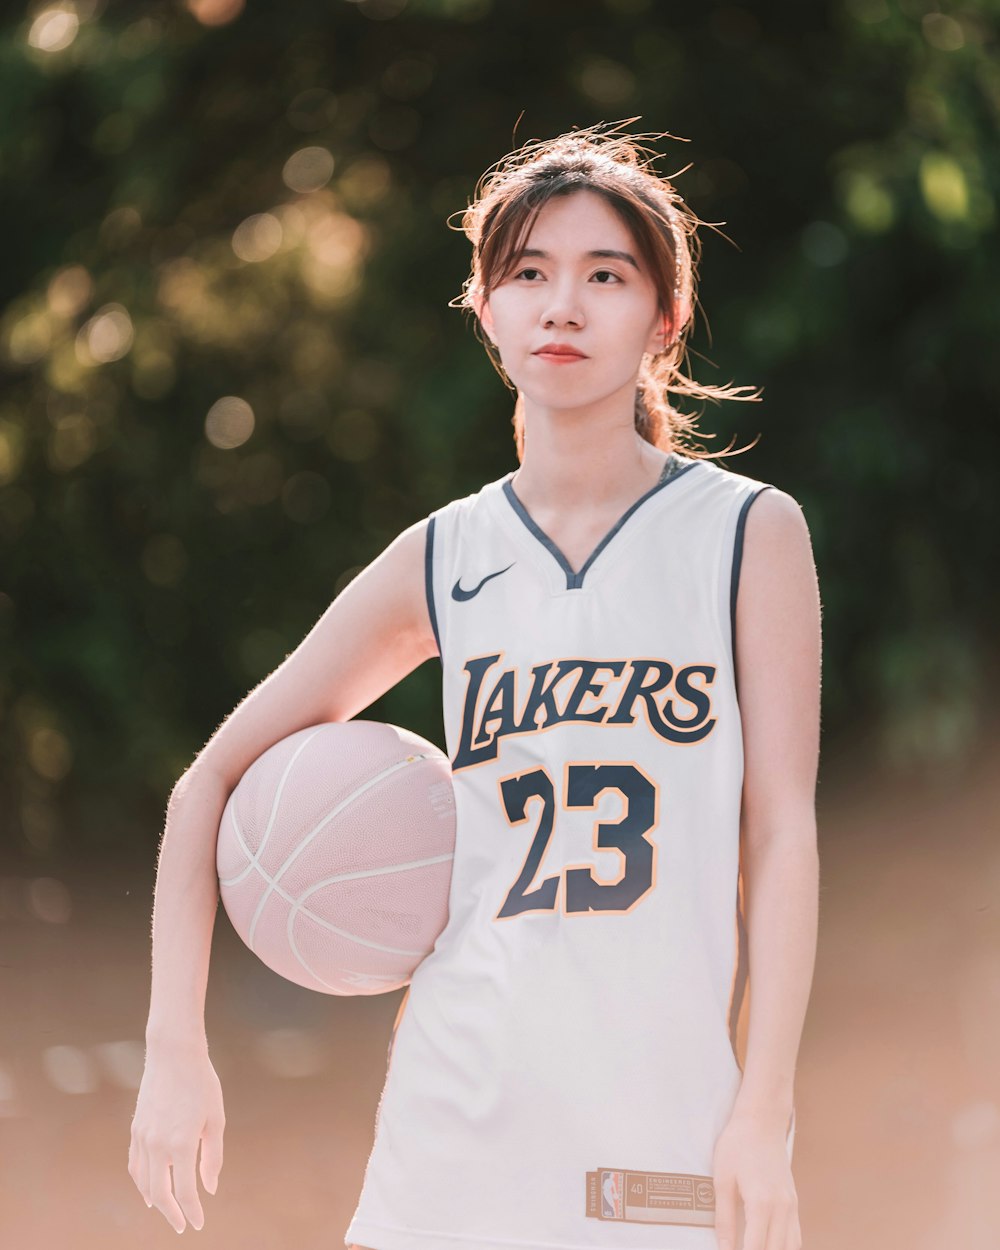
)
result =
(607, 277)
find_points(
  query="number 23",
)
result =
(585, 782)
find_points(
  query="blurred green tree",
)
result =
(232, 376)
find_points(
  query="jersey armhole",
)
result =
(734, 580)
(429, 580)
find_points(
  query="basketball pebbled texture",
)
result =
(335, 852)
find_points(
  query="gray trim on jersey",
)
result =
(734, 584)
(673, 465)
(429, 580)
(674, 468)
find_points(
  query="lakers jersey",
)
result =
(565, 1058)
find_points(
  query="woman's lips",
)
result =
(561, 358)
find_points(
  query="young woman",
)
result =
(630, 643)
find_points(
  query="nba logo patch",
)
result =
(612, 1195)
(650, 1197)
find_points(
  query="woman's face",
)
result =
(580, 283)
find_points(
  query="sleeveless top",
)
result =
(564, 1059)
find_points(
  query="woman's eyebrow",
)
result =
(604, 253)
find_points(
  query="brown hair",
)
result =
(509, 197)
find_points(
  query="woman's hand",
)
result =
(751, 1163)
(179, 1104)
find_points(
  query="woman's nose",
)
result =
(563, 307)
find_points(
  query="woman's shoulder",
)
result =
(722, 476)
(732, 482)
(742, 499)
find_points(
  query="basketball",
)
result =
(335, 852)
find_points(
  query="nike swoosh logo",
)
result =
(461, 595)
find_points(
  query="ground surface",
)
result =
(898, 1091)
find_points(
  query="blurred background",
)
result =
(230, 378)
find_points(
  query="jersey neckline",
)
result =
(574, 578)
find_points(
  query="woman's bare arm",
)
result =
(371, 636)
(374, 633)
(778, 662)
(778, 685)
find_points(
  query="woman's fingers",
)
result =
(133, 1160)
(759, 1225)
(136, 1163)
(186, 1186)
(179, 1108)
(143, 1180)
(161, 1190)
(754, 1186)
(726, 1198)
(793, 1239)
(773, 1225)
(211, 1154)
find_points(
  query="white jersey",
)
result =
(565, 1058)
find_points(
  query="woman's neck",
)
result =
(569, 462)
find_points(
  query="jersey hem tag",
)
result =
(651, 1197)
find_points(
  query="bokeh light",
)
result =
(229, 422)
(106, 336)
(55, 27)
(292, 1053)
(49, 900)
(215, 12)
(308, 169)
(69, 290)
(71, 1069)
(258, 238)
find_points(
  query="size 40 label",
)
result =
(651, 1197)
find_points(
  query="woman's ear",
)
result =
(481, 306)
(661, 337)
